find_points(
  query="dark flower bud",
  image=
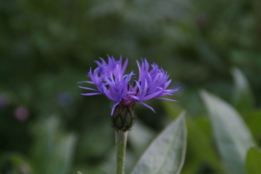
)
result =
(123, 117)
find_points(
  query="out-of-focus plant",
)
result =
(234, 135)
(243, 99)
(253, 160)
(231, 133)
(51, 153)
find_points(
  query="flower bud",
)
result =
(123, 117)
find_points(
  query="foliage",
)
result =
(253, 160)
(47, 46)
(166, 154)
(232, 135)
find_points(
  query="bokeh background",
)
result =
(47, 46)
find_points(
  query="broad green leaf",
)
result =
(253, 161)
(199, 149)
(166, 154)
(243, 97)
(231, 133)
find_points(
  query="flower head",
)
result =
(109, 78)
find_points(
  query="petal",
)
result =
(153, 95)
(99, 64)
(167, 84)
(89, 94)
(114, 106)
(139, 70)
(86, 82)
(88, 88)
(145, 89)
(115, 93)
(168, 99)
(108, 93)
(172, 90)
(137, 84)
(135, 97)
(147, 106)
(147, 65)
(103, 61)
(124, 67)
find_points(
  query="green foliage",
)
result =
(48, 46)
(51, 147)
(199, 148)
(231, 133)
(20, 164)
(243, 97)
(253, 121)
(253, 161)
(51, 153)
(166, 154)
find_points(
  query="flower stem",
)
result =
(121, 141)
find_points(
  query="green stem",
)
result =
(120, 140)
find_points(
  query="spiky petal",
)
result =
(110, 80)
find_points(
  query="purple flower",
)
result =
(110, 80)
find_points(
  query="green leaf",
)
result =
(243, 97)
(231, 133)
(253, 161)
(199, 149)
(166, 154)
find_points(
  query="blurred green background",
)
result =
(47, 46)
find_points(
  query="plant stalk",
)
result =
(121, 141)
